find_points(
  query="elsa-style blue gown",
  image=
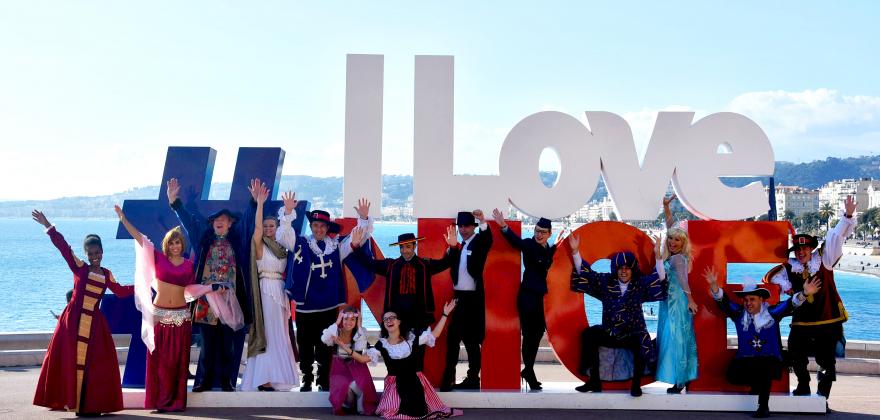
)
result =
(677, 362)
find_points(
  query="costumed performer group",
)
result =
(243, 271)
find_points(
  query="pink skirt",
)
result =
(342, 373)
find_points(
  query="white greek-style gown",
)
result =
(276, 365)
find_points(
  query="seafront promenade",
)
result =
(853, 396)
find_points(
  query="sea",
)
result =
(34, 278)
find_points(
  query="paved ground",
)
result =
(854, 397)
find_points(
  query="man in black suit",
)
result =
(468, 322)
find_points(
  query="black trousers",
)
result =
(756, 372)
(468, 325)
(821, 342)
(594, 337)
(531, 320)
(217, 352)
(309, 326)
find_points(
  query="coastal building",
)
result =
(873, 196)
(795, 199)
(835, 192)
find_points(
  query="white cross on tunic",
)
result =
(757, 343)
(322, 265)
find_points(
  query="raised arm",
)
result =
(377, 266)
(364, 224)
(729, 308)
(667, 212)
(438, 329)
(513, 239)
(437, 266)
(128, 226)
(58, 240)
(259, 193)
(485, 235)
(832, 249)
(187, 223)
(285, 235)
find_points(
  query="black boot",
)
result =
(826, 378)
(469, 382)
(307, 383)
(824, 388)
(803, 388)
(762, 412)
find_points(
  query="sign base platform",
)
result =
(555, 395)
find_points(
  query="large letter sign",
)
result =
(690, 154)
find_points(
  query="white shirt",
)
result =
(465, 280)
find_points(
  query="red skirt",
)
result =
(97, 370)
(168, 364)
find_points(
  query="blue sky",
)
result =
(116, 83)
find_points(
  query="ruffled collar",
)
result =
(329, 245)
(761, 319)
(813, 266)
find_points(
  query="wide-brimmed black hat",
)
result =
(802, 239)
(544, 223)
(407, 238)
(466, 218)
(324, 217)
(753, 289)
(223, 212)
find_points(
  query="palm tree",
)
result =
(825, 212)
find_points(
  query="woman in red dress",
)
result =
(81, 372)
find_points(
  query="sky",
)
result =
(93, 93)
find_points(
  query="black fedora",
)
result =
(324, 217)
(407, 238)
(803, 239)
(466, 218)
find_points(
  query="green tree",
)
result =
(825, 212)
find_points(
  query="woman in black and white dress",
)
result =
(408, 394)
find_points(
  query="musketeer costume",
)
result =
(817, 326)
(318, 287)
(758, 357)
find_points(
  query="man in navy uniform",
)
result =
(622, 293)
(758, 357)
(468, 322)
(537, 255)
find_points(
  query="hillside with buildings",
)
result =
(807, 194)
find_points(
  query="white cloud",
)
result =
(814, 124)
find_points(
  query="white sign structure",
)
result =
(693, 155)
